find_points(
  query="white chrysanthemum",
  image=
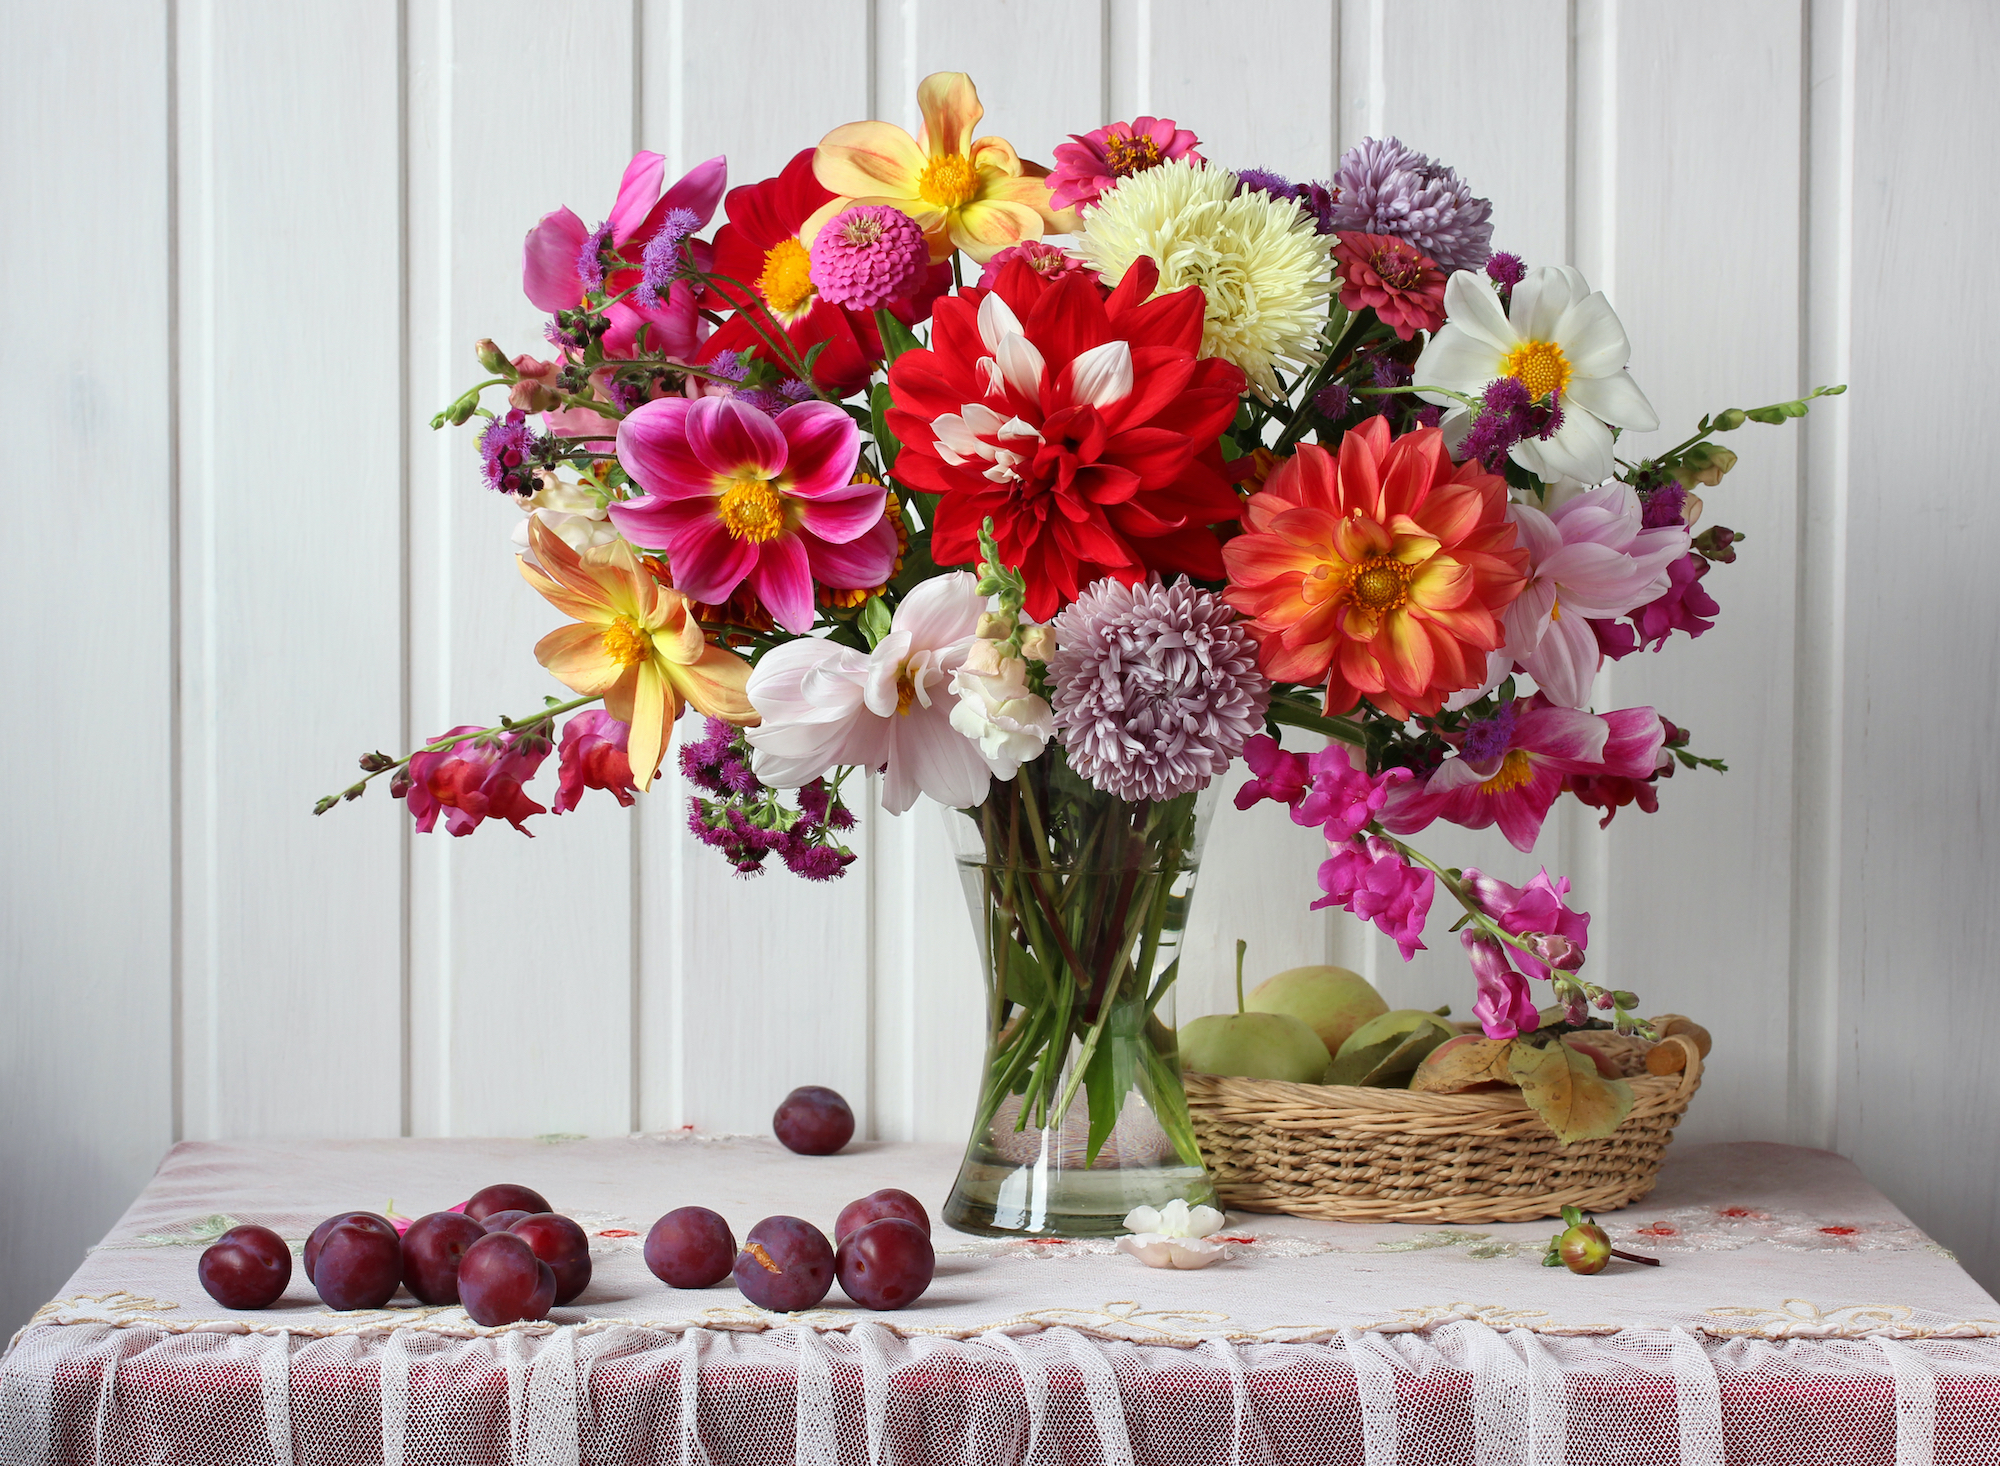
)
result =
(1259, 261)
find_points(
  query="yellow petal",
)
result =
(986, 226)
(863, 158)
(654, 708)
(582, 608)
(585, 579)
(1032, 189)
(575, 656)
(716, 685)
(950, 106)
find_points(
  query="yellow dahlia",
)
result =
(1259, 261)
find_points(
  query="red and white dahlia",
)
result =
(1083, 426)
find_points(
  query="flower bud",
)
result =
(374, 763)
(533, 397)
(994, 626)
(1730, 421)
(491, 357)
(1558, 951)
(1038, 643)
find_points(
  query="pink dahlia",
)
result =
(594, 756)
(1091, 163)
(867, 256)
(474, 780)
(1370, 878)
(1045, 260)
(733, 496)
(1403, 285)
(1155, 687)
(1510, 768)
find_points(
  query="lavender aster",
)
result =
(1387, 188)
(1155, 687)
(661, 263)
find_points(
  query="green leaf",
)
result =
(886, 442)
(897, 338)
(1565, 1089)
(1025, 983)
(873, 620)
(1354, 1066)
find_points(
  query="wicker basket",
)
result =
(1352, 1154)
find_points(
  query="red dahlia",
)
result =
(761, 247)
(1084, 426)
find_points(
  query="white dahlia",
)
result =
(1259, 261)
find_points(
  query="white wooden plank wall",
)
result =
(246, 251)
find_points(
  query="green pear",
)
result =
(1385, 1051)
(1331, 1001)
(1248, 1045)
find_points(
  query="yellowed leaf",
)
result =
(1567, 1091)
(1462, 1062)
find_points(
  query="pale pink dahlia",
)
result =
(1155, 687)
(1091, 163)
(867, 256)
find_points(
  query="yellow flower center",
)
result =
(626, 642)
(1515, 770)
(1129, 155)
(1540, 366)
(1381, 584)
(906, 690)
(948, 181)
(750, 509)
(787, 279)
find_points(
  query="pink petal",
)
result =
(654, 447)
(637, 191)
(1562, 733)
(942, 611)
(728, 437)
(1564, 662)
(1633, 748)
(1520, 811)
(929, 756)
(548, 261)
(700, 189)
(822, 445)
(861, 563)
(654, 522)
(708, 562)
(782, 578)
(674, 326)
(846, 518)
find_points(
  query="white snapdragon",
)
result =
(996, 710)
(573, 509)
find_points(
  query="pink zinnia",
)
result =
(1371, 879)
(733, 495)
(474, 780)
(1511, 768)
(1404, 286)
(594, 756)
(1091, 163)
(867, 256)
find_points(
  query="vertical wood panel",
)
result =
(291, 530)
(1919, 1005)
(86, 869)
(521, 953)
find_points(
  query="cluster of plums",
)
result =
(881, 1253)
(505, 1256)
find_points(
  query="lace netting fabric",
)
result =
(1315, 1343)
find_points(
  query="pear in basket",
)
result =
(1331, 1001)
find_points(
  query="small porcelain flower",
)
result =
(1174, 1235)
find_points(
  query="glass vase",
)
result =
(1078, 901)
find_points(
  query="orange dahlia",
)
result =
(1382, 570)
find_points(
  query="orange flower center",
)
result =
(1129, 155)
(1515, 770)
(787, 279)
(906, 690)
(626, 642)
(1381, 584)
(750, 509)
(949, 181)
(1540, 366)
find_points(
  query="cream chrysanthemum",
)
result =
(1259, 261)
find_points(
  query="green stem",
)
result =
(1291, 715)
(1472, 402)
(505, 725)
(1456, 886)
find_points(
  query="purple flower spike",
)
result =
(590, 258)
(662, 262)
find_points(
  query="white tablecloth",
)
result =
(1798, 1317)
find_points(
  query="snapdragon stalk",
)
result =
(527, 724)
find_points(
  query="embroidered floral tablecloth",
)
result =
(1798, 1316)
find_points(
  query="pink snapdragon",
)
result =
(1537, 912)
(474, 780)
(1504, 1006)
(1280, 775)
(594, 756)
(1370, 878)
(1091, 163)
(1510, 768)
(1591, 557)
(1343, 799)
(735, 495)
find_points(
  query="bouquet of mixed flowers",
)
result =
(1056, 542)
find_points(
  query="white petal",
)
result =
(1020, 364)
(1614, 399)
(1204, 1221)
(996, 319)
(956, 440)
(1540, 300)
(1592, 337)
(940, 612)
(1142, 1219)
(1015, 430)
(1103, 374)
(1471, 305)
(1580, 449)
(1565, 664)
(1457, 360)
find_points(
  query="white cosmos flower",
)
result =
(1558, 336)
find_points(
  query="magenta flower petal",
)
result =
(1520, 811)
(728, 437)
(548, 261)
(782, 578)
(655, 522)
(1504, 1007)
(822, 447)
(699, 190)
(861, 563)
(847, 518)
(673, 325)
(654, 447)
(638, 190)
(1562, 733)
(708, 562)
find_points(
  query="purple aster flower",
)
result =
(506, 450)
(590, 257)
(1387, 188)
(1155, 687)
(1317, 199)
(1275, 184)
(1505, 270)
(1492, 737)
(661, 263)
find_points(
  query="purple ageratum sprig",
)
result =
(663, 261)
(1263, 180)
(508, 451)
(1383, 187)
(1506, 416)
(748, 821)
(590, 258)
